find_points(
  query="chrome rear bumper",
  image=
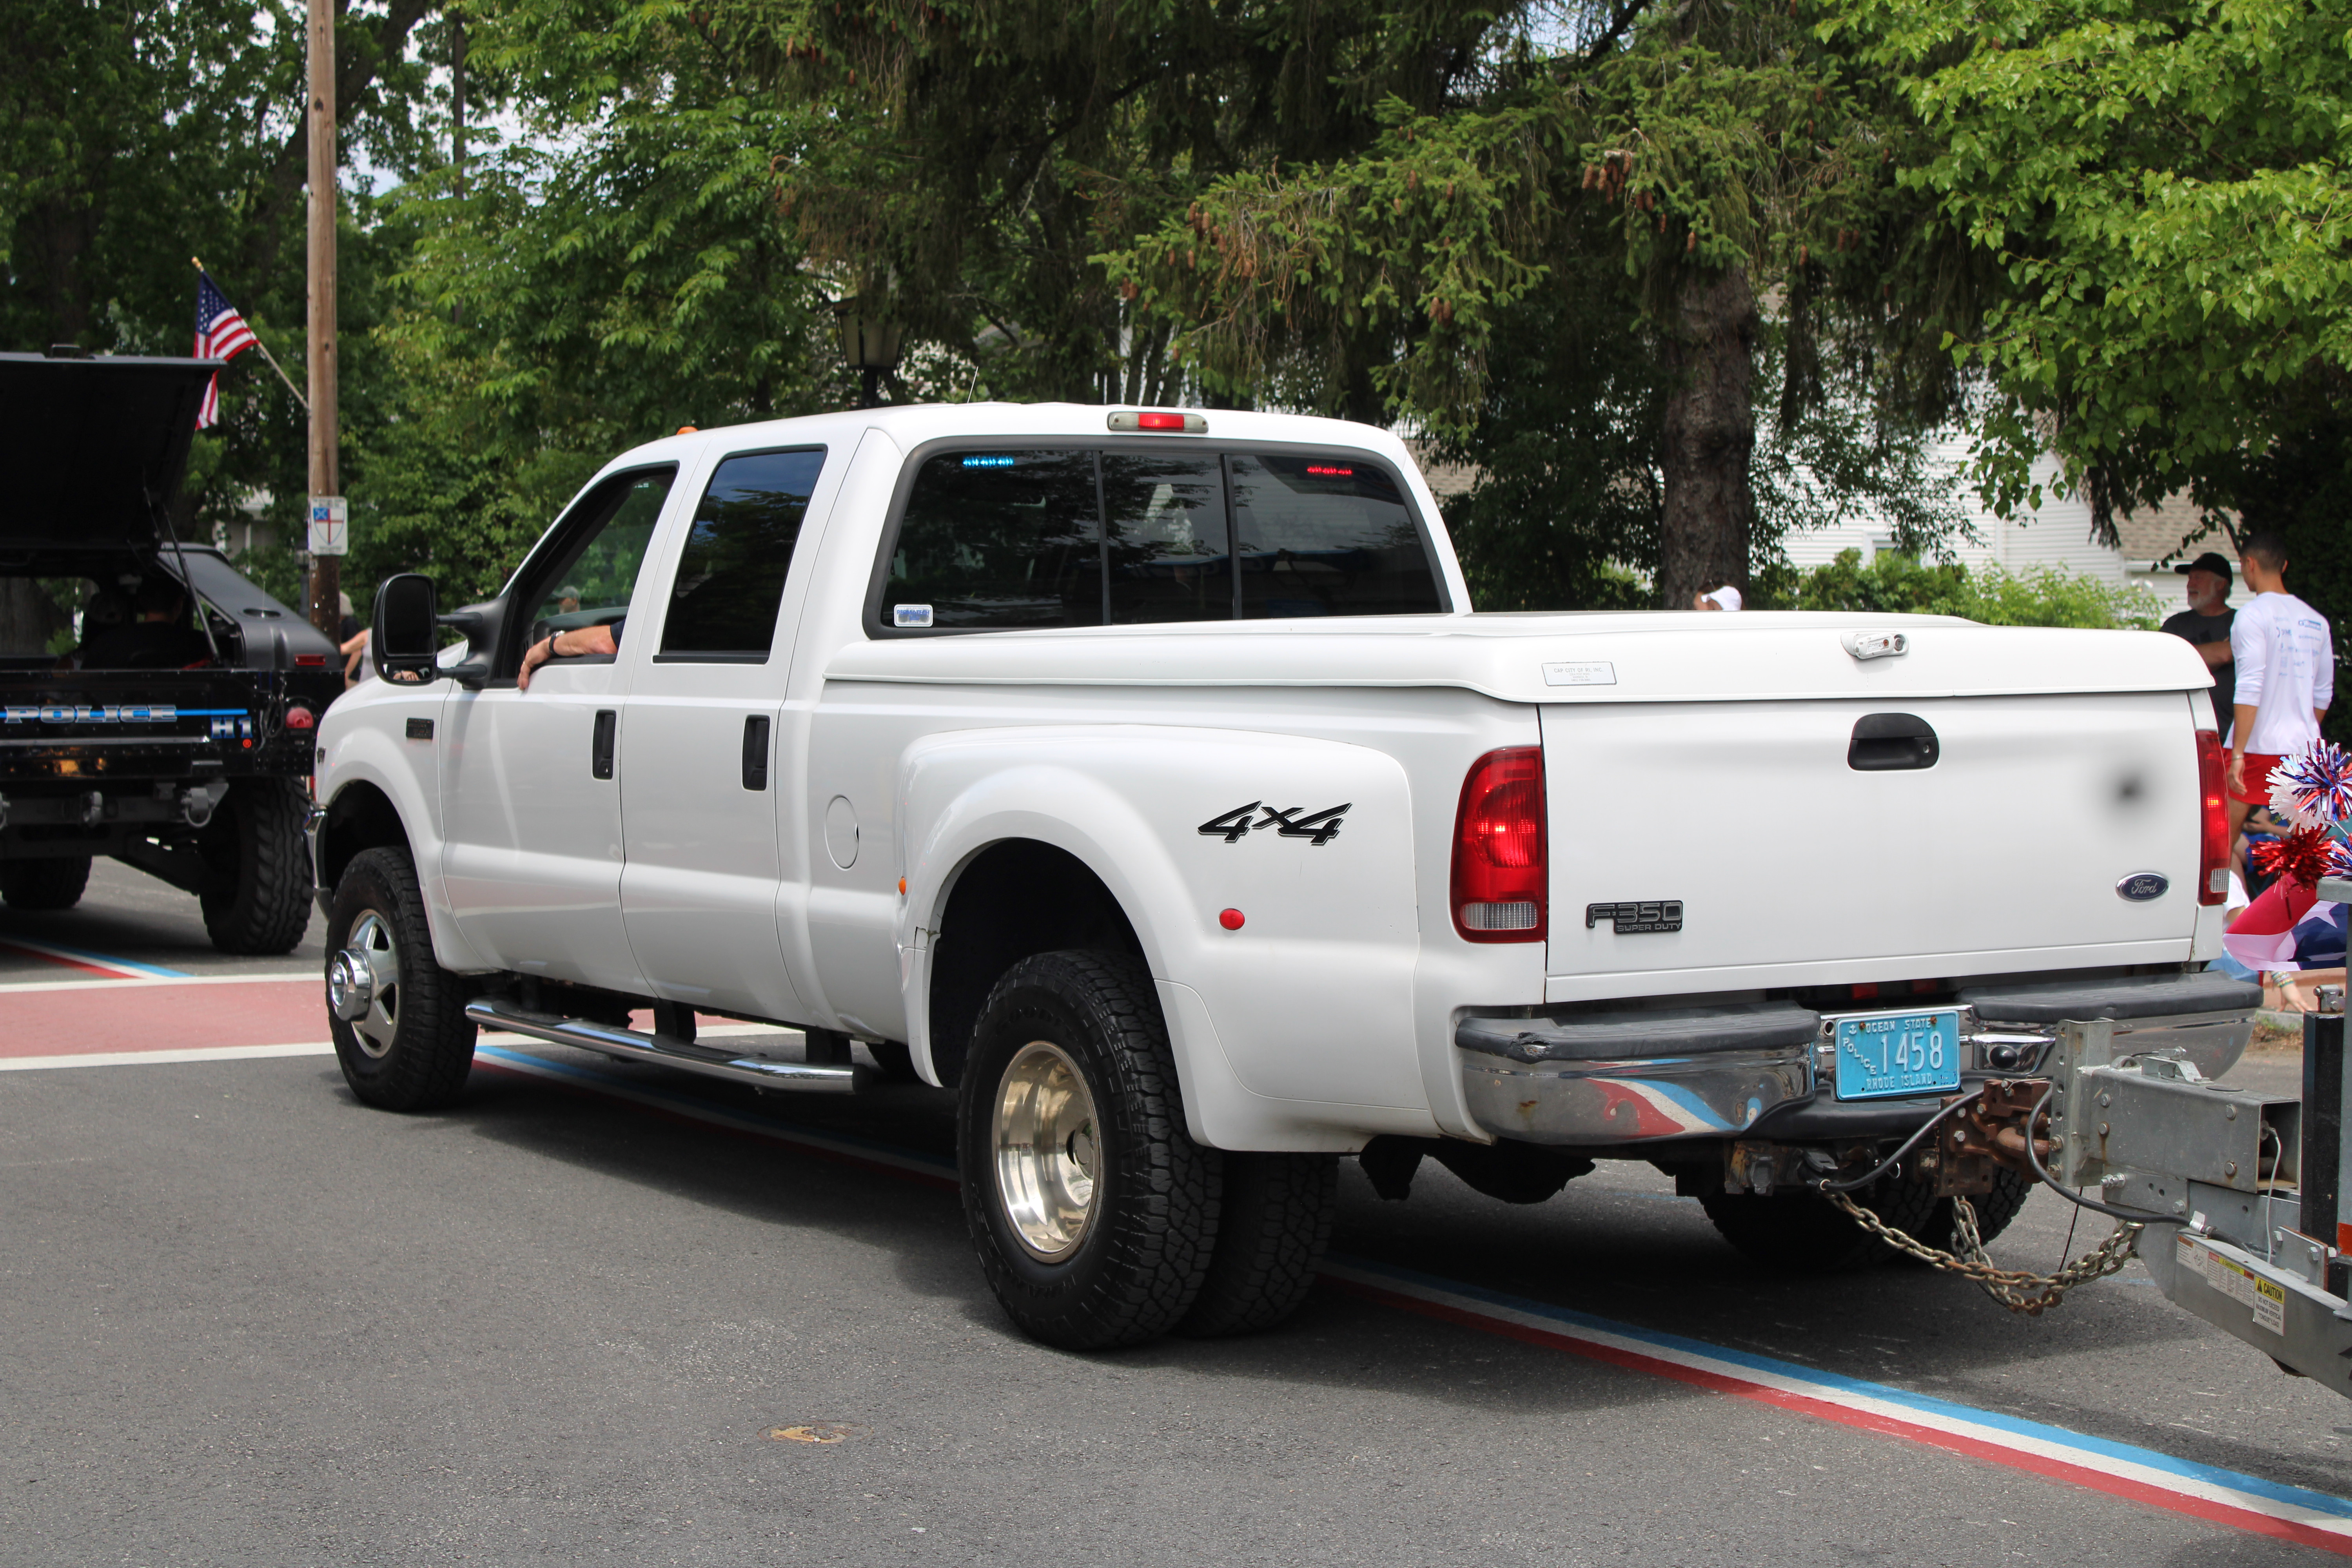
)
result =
(1644, 1077)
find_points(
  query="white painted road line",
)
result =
(161, 1059)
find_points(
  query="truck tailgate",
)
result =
(1792, 867)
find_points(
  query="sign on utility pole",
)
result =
(326, 489)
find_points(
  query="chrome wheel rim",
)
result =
(363, 985)
(1047, 1151)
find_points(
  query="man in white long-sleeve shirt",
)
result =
(2286, 675)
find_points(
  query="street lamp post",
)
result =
(870, 343)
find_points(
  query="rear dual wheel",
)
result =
(1098, 1222)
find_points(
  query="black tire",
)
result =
(1273, 1222)
(413, 1048)
(1135, 1263)
(1804, 1232)
(45, 884)
(1996, 1208)
(896, 1059)
(259, 900)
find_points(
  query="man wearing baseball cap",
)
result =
(2206, 623)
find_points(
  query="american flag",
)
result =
(221, 334)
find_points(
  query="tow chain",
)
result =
(2010, 1287)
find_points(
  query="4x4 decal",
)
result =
(1317, 828)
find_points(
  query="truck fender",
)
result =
(367, 754)
(1292, 1017)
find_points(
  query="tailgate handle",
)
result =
(1892, 742)
(755, 751)
(600, 749)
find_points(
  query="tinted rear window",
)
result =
(995, 540)
(1322, 536)
(1001, 540)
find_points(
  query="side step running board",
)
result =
(629, 1044)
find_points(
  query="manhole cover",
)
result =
(818, 1432)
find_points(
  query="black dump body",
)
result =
(99, 751)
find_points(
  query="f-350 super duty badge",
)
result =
(1317, 828)
(1628, 918)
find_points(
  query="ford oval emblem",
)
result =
(2142, 886)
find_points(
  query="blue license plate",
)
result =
(1884, 1055)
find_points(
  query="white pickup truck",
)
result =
(1145, 777)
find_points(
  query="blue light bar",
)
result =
(988, 462)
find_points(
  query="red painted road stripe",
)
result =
(97, 1019)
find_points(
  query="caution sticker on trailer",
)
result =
(2238, 1282)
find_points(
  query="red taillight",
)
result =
(310, 661)
(2213, 856)
(1160, 421)
(1499, 865)
(298, 719)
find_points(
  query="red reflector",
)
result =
(1231, 920)
(1867, 992)
(310, 661)
(2213, 845)
(1499, 860)
(1159, 422)
(1325, 468)
(298, 719)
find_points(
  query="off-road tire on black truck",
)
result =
(1131, 1265)
(259, 896)
(415, 1046)
(1274, 1223)
(45, 884)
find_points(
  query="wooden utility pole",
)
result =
(326, 570)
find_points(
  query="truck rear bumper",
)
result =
(1752, 1069)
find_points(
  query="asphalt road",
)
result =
(245, 1320)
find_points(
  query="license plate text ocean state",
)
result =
(1888, 1054)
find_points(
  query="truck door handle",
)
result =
(600, 750)
(1892, 742)
(755, 751)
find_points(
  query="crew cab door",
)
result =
(699, 748)
(530, 781)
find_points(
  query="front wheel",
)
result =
(1094, 1213)
(398, 1017)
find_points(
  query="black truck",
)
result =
(177, 733)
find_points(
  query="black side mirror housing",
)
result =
(402, 641)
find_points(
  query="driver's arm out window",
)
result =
(588, 579)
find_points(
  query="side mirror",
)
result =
(407, 628)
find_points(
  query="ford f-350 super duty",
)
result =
(1145, 777)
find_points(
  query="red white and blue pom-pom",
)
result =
(2313, 787)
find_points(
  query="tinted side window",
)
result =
(997, 540)
(590, 581)
(731, 573)
(1326, 537)
(1170, 558)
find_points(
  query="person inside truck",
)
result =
(158, 636)
(605, 639)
